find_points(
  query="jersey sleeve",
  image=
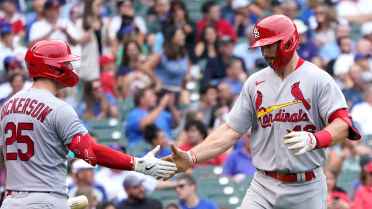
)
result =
(330, 99)
(67, 124)
(240, 116)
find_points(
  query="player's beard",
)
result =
(269, 60)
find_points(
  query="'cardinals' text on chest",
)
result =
(283, 112)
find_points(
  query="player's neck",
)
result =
(45, 84)
(291, 66)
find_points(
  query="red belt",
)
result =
(289, 177)
(10, 192)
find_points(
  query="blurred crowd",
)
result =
(182, 65)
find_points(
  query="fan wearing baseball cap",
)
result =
(108, 67)
(363, 196)
(17, 20)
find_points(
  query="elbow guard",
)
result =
(345, 116)
(82, 147)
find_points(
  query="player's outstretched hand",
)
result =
(182, 159)
(305, 141)
(149, 165)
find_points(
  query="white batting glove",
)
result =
(306, 141)
(149, 165)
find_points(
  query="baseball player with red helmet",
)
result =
(37, 130)
(295, 110)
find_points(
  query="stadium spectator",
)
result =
(363, 61)
(363, 195)
(243, 17)
(88, 191)
(147, 111)
(161, 11)
(107, 78)
(345, 157)
(98, 104)
(125, 10)
(94, 39)
(235, 76)
(12, 67)
(215, 70)
(17, 82)
(355, 11)
(336, 197)
(343, 63)
(366, 30)
(206, 104)
(363, 46)
(365, 159)
(69, 5)
(207, 46)
(131, 82)
(130, 51)
(240, 160)
(186, 192)
(353, 94)
(169, 67)
(249, 56)
(331, 50)
(362, 111)
(35, 15)
(53, 26)
(224, 96)
(64, 96)
(290, 9)
(155, 137)
(9, 13)
(84, 174)
(307, 50)
(276, 7)
(364, 80)
(324, 32)
(136, 196)
(308, 15)
(179, 17)
(172, 205)
(74, 14)
(105, 205)
(212, 16)
(196, 133)
(191, 115)
(7, 45)
(227, 12)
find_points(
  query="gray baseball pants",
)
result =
(35, 200)
(269, 193)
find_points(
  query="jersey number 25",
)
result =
(17, 136)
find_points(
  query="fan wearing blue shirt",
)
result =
(240, 161)
(155, 137)
(147, 111)
(234, 71)
(186, 192)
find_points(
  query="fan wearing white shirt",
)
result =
(362, 112)
(53, 27)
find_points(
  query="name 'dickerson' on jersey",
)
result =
(26, 106)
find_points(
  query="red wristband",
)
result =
(323, 139)
(194, 159)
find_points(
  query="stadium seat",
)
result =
(244, 185)
(125, 107)
(210, 171)
(355, 32)
(163, 195)
(232, 202)
(139, 149)
(369, 140)
(345, 179)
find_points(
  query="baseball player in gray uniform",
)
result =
(37, 130)
(295, 110)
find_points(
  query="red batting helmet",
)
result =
(277, 28)
(45, 57)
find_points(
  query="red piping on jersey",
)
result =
(300, 62)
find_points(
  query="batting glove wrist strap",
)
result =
(193, 158)
(323, 139)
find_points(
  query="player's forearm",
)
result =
(110, 158)
(218, 142)
(339, 130)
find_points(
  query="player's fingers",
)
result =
(293, 140)
(168, 177)
(175, 150)
(290, 135)
(289, 130)
(154, 151)
(167, 164)
(158, 177)
(296, 146)
(167, 168)
(300, 152)
(166, 172)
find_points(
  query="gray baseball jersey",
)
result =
(303, 101)
(35, 129)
